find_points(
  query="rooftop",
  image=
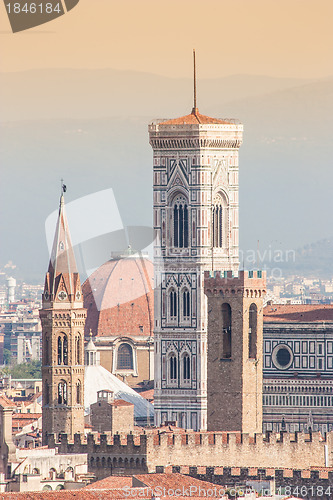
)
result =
(298, 313)
(195, 118)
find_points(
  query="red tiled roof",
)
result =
(111, 482)
(195, 118)
(119, 298)
(147, 483)
(175, 481)
(26, 416)
(81, 494)
(149, 395)
(6, 402)
(298, 313)
(121, 402)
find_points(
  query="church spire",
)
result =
(62, 279)
(63, 320)
(195, 110)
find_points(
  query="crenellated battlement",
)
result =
(154, 449)
(247, 283)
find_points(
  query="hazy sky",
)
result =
(274, 37)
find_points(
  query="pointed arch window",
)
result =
(62, 350)
(62, 393)
(125, 357)
(173, 368)
(78, 350)
(180, 223)
(173, 304)
(253, 331)
(186, 304)
(217, 225)
(186, 368)
(59, 350)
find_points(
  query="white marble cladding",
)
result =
(194, 166)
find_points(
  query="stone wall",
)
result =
(151, 451)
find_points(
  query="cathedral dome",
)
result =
(119, 298)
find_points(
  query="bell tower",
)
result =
(63, 320)
(195, 178)
(234, 358)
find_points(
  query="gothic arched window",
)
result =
(173, 303)
(226, 330)
(62, 393)
(173, 368)
(180, 223)
(125, 357)
(217, 225)
(62, 350)
(253, 331)
(186, 367)
(78, 350)
(59, 350)
(186, 304)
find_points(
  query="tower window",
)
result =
(173, 368)
(253, 331)
(125, 357)
(217, 226)
(62, 393)
(226, 331)
(62, 350)
(180, 223)
(78, 393)
(78, 350)
(173, 304)
(186, 367)
(186, 304)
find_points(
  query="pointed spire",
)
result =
(62, 279)
(195, 110)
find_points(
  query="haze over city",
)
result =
(77, 97)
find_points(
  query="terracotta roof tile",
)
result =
(119, 298)
(300, 313)
(195, 118)
(173, 481)
(111, 482)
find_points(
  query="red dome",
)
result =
(119, 298)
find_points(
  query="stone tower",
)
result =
(63, 320)
(195, 161)
(235, 359)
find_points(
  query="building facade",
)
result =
(298, 368)
(195, 161)
(63, 319)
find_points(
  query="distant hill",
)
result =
(68, 93)
(90, 127)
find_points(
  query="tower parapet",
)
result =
(251, 283)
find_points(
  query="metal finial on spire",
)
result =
(63, 187)
(195, 109)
